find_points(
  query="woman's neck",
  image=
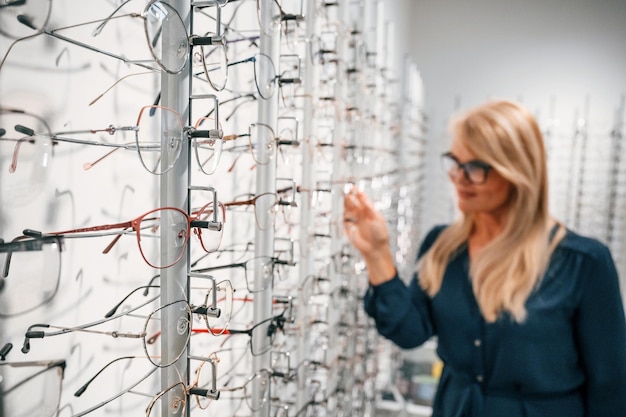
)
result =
(485, 229)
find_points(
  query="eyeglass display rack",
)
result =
(614, 171)
(313, 85)
(357, 118)
(586, 171)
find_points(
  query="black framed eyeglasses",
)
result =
(261, 335)
(30, 274)
(258, 271)
(34, 377)
(475, 171)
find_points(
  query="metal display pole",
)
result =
(173, 193)
(311, 75)
(265, 181)
(337, 179)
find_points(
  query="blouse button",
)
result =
(477, 342)
(479, 378)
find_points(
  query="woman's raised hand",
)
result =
(366, 229)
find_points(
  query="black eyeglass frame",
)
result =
(470, 168)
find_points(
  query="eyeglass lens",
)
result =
(165, 31)
(262, 143)
(177, 315)
(224, 297)
(159, 138)
(37, 12)
(171, 402)
(46, 385)
(175, 228)
(214, 64)
(264, 75)
(208, 151)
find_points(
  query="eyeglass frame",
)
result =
(252, 201)
(484, 168)
(213, 393)
(192, 222)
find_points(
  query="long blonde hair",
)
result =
(506, 136)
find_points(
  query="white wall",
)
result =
(535, 51)
(564, 59)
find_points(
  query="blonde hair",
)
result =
(506, 136)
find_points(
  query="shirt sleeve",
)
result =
(600, 328)
(403, 313)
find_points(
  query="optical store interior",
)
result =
(172, 182)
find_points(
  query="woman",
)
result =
(528, 315)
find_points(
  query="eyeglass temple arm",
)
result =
(100, 228)
(55, 137)
(109, 129)
(101, 26)
(250, 97)
(25, 20)
(16, 153)
(124, 225)
(235, 136)
(89, 165)
(112, 311)
(39, 334)
(5, 351)
(84, 387)
(6, 54)
(31, 334)
(218, 267)
(13, 3)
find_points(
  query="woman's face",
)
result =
(490, 197)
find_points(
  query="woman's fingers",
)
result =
(351, 206)
(365, 203)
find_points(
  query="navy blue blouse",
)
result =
(568, 359)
